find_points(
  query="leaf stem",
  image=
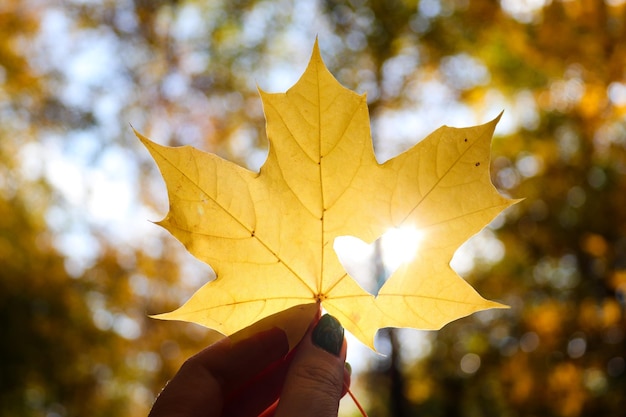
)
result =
(356, 402)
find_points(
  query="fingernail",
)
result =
(328, 334)
(348, 368)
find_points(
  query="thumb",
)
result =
(314, 382)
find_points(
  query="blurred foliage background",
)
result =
(81, 267)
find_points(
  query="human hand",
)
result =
(249, 377)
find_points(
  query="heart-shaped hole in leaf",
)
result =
(371, 264)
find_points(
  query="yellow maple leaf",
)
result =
(269, 235)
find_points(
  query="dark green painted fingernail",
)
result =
(328, 334)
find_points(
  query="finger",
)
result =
(199, 387)
(258, 396)
(347, 379)
(259, 393)
(233, 364)
(260, 390)
(315, 380)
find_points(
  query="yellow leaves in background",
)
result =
(269, 236)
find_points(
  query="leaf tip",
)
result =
(497, 305)
(146, 142)
(316, 54)
(162, 316)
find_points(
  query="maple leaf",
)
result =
(269, 235)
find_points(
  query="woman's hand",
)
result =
(249, 377)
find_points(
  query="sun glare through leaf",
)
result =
(399, 245)
(371, 264)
